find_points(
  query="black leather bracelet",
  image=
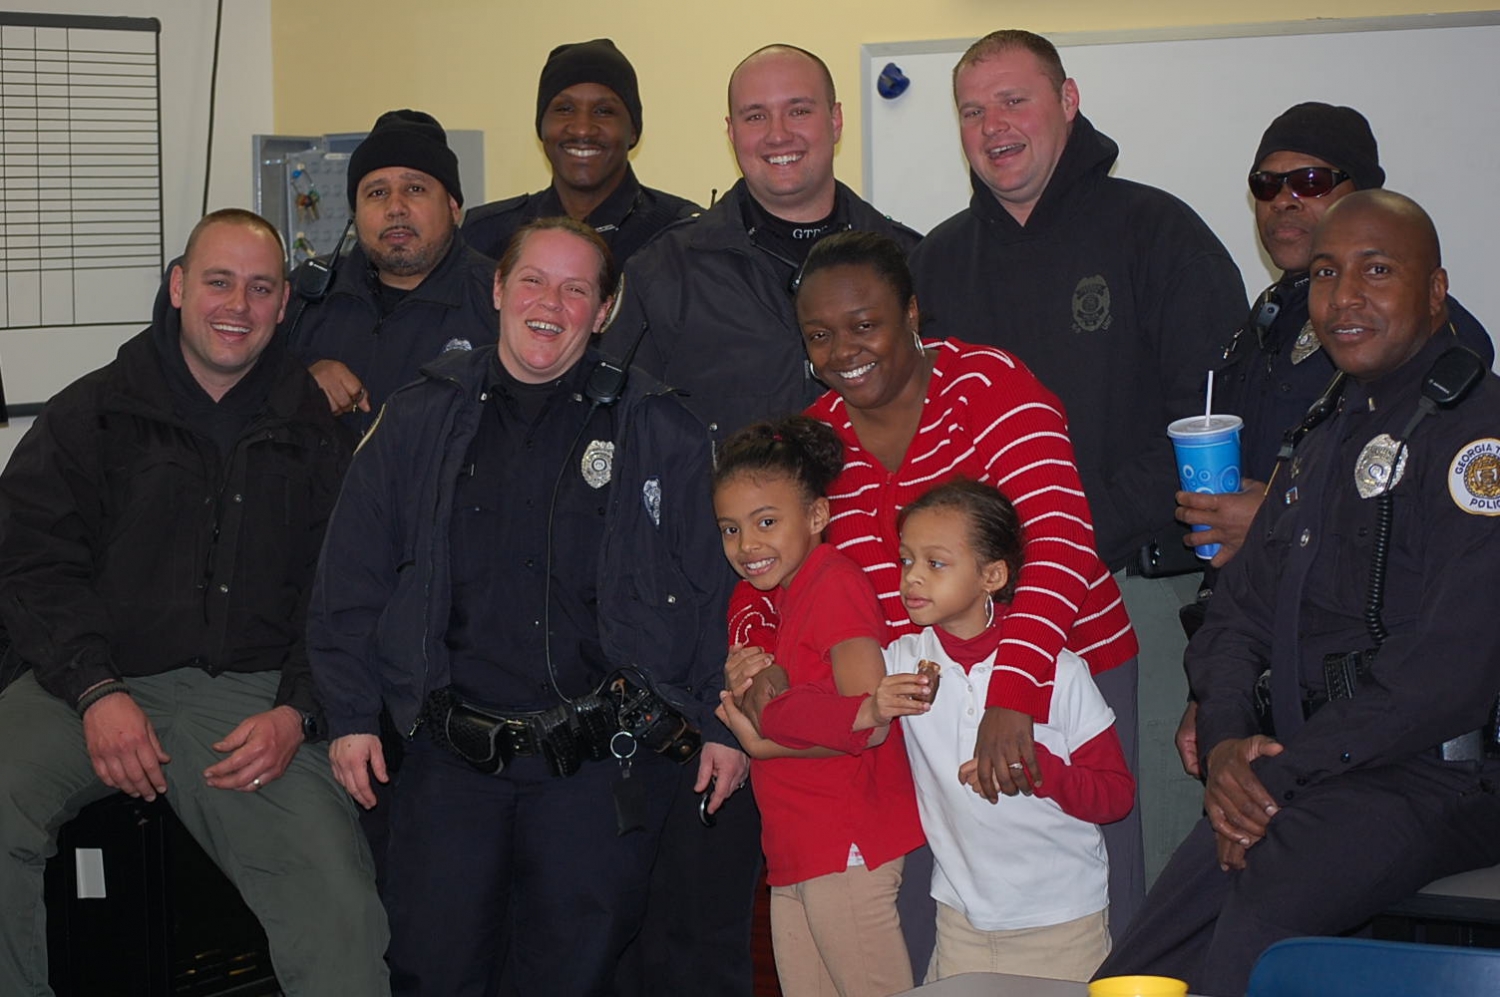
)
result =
(98, 692)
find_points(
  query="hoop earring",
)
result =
(989, 612)
(916, 337)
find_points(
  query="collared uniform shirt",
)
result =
(531, 440)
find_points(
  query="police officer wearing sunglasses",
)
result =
(1310, 157)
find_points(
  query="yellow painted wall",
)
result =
(474, 63)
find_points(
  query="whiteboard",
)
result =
(39, 361)
(80, 178)
(1188, 106)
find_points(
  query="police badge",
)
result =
(598, 463)
(1305, 345)
(1091, 305)
(1378, 469)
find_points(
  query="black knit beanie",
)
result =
(1337, 135)
(598, 62)
(412, 139)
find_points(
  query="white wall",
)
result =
(1199, 143)
(46, 360)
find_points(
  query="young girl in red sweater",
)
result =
(835, 825)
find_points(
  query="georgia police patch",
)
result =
(1474, 478)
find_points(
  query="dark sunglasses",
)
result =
(1310, 181)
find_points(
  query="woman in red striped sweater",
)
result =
(914, 414)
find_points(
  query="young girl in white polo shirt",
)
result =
(1021, 884)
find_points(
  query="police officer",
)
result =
(410, 289)
(508, 538)
(1378, 778)
(588, 116)
(1309, 157)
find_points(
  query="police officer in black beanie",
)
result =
(588, 116)
(1309, 158)
(410, 289)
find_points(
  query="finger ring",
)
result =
(1017, 766)
(255, 782)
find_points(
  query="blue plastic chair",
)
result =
(1358, 967)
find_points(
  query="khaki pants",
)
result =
(1068, 951)
(840, 936)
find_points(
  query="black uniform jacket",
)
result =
(718, 314)
(383, 600)
(454, 308)
(129, 546)
(627, 220)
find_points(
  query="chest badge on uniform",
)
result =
(599, 463)
(1305, 345)
(1091, 305)
(1378, 469)
(457, 344)
(1474, 478)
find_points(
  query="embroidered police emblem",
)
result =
(1091, 305)
(1305, 345)
(1474, 478)
(1378, 469)
(651, 495)
(457, 344)
(598, 463)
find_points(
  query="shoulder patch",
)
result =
(1474, 478)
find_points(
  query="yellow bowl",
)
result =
(1138, 986)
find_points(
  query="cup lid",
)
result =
(1196, 425)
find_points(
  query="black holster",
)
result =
(565, 735)
(650, 719)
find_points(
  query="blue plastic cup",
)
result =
(1208, 459)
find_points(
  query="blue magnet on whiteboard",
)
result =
(892, 82)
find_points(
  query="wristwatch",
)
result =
(312, 725)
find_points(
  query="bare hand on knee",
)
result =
(122, 745)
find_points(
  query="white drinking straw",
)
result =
(1208, 407)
